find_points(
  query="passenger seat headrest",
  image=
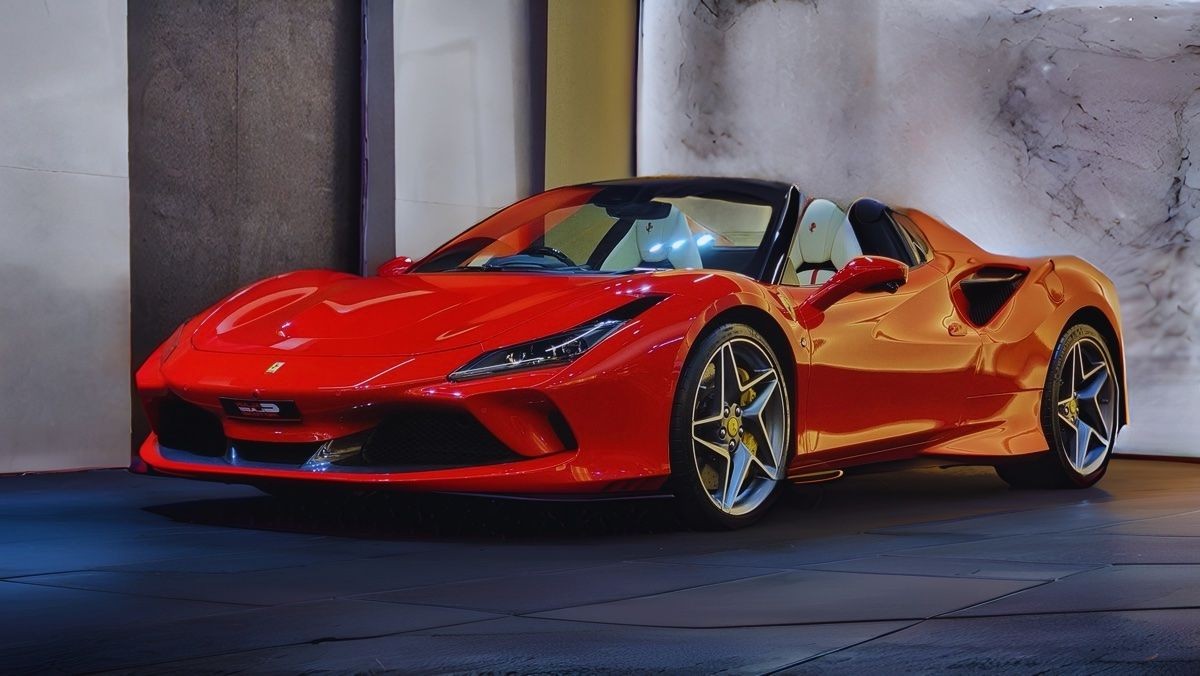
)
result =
(818, 228)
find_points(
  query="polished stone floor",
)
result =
(923, 570)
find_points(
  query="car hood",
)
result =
(333, 314)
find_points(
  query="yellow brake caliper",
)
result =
(709, 477)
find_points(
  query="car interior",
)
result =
(699, 233)
(682, 232)
(827, 238)
(656, 243)
(877, 232)
(823, 243)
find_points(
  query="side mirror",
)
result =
(860, 274)
(395, 267)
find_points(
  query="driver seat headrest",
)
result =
(667, 240)
(824, 242)
(659, 243)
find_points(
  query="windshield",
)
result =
(597, 229)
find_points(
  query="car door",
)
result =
(889, 370)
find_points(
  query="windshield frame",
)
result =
(764, 265)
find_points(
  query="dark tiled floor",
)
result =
(917, 571)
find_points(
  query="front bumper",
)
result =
(550, 475)
(614, 412)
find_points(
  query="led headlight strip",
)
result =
(560, 348)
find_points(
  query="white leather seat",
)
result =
(824, 242)
(662, 243)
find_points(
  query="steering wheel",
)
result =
(552, 252)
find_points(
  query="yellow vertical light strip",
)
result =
(591, 56)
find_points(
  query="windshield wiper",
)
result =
(523, 266)
(534, 267)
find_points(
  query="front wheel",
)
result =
(731, 429)
(1080, 413)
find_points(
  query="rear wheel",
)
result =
(1080, 409)
(731, 429)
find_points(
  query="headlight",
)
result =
(561, 348)
(557, 349)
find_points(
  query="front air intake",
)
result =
(412, 440)
(274, 452)
(189, 428)
(433, 439)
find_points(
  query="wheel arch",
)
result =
(1091, 298)
(777, 338)
(742, 309)
(1097, 319)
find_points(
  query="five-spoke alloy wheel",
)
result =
(1080, 415)
(731, 429)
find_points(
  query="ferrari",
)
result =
(705, 339)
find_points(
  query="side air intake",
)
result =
(987, 290)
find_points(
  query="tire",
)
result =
(1082, 396)
(719, 434)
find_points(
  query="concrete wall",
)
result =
(64, 233)
(1033, 127)
(465, 126)
(244, 150)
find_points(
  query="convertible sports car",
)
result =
(704, 338)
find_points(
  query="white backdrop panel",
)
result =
(64, 235)
(462, 101)
(1032, 127)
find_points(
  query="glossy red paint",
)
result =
(865, 273)
(879, 374)
(395, 267)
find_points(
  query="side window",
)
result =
(915, 240)
(793, 262)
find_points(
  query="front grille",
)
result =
(430, 439)
(273, 452)
(187, 427)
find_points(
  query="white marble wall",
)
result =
(462, 101)
(1034, 127)
(64, 235)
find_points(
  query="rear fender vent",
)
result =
(986, 290)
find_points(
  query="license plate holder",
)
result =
(261, 409)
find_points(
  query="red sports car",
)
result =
(706, 338)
